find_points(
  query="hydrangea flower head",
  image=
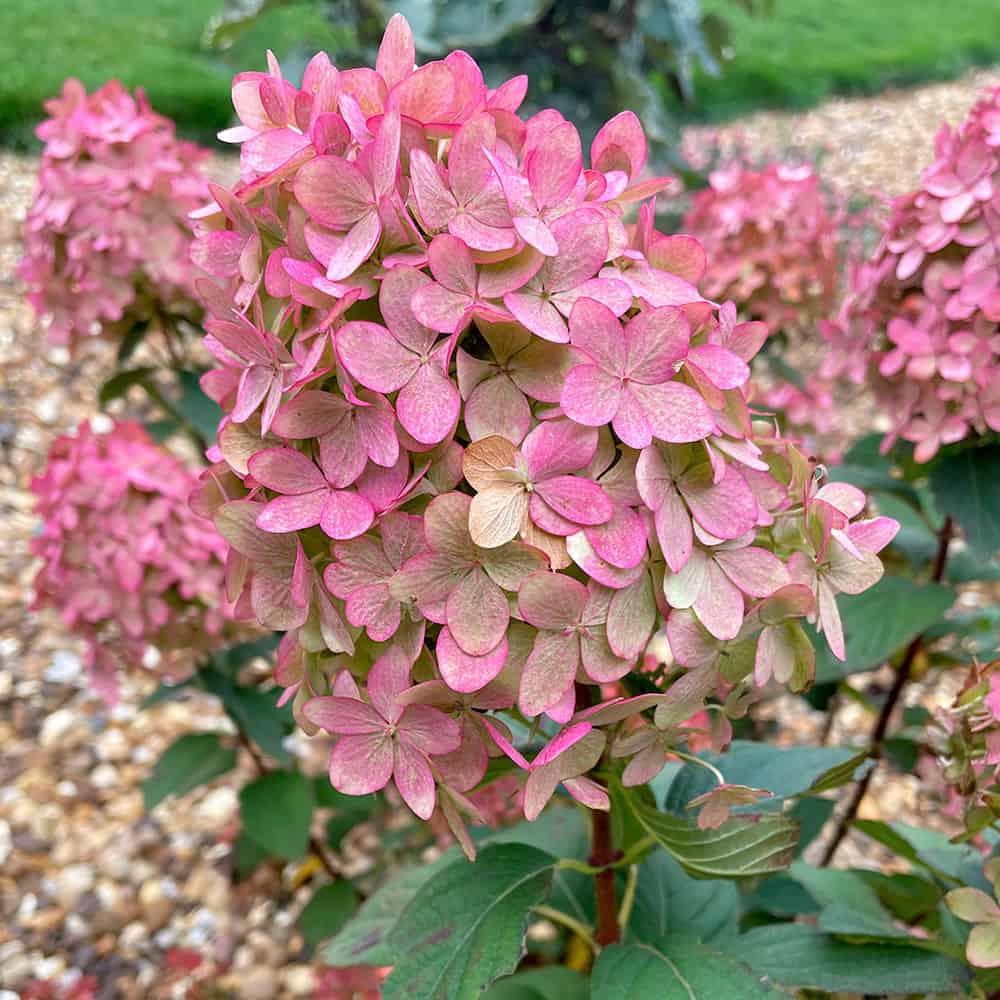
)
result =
(922, 320)
(107, 238)
(124, 560)
(483, 433)
(771, 239)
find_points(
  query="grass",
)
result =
(800, 53)
(155, 44)
(804, 51)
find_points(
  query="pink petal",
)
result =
(536, 234)
(355, 248)
(360, 765)
(548, 672)
(591, 396)
(596, 331)
(599, 661)
(555, 165)
(310, 414)
(551, 600)
(428, 405)
(334, 192)
(726, 509)
(218, 254)
(755, 571)
(676, 413)
(621, 540)
(655, 341)
(395, 300)
(537, 315)
(414, 780)
(719, 605)
(293, 513)
(255, 383)
(620, 144)
(346, 514)
(588, 793)
(497, 513)
(631, 618)
(576, 499)
(829, 617)
(429, 729)
(497, 406)
(346, 716)
(674, 531)
(452, 266)
(465, 673)
(478, 613)
(557, 447)
(441, 309)
(396, 54)
(724, 369)
(374, 357)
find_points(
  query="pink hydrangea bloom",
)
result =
(483, 433)
(107, 238)
(922, 320)
(124, 561)
(771, 239)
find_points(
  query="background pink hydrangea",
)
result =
(484, 436)
(771, 236)
(124, 560)
(107, 238)
(922, 319)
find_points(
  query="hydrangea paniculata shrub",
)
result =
(124, 560)
(107, 239)
(484, 436)
(922, 320)
(771, 236)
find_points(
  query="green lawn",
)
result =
(152, 43)
(798, 54)
(806, 50)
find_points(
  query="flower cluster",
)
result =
(124, 560)
(484, 435)
(771, 238)
(107, 238)
(921, 320)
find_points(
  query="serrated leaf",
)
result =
(783, 771)
(191, 760)
(967, 486)
(326, 913)
(798, 956)
(276, 811)
(739, 848)
(364, 939)
(465, 927)
(668, 900)
(678, 967)
(880, 621)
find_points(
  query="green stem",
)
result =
(628, 900)
(571, 923)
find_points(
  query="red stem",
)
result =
(602, 856)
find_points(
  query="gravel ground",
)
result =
(90, 885)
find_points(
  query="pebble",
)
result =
(259, 984)
(157, 905)
(113, 745)
(104, 776)
(72, 882)
(57, 725)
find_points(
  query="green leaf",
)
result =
(881, 621)
(276, 811)
(739, 848)
(553, 982)
(848, 904)
(191, 760)
(967, 486)
(851, 769)
(132, 338)
(247, 855)
(364, 939)
(201, 412)
(165, 692)
(783, 771)
(340, 825)
(811, 814)
(254, 712)
(465, 927)
(327, 797)
(803, 957)
(668, 900)
(326, 913)
(678, 967)
(230, 659)
(121, 382)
